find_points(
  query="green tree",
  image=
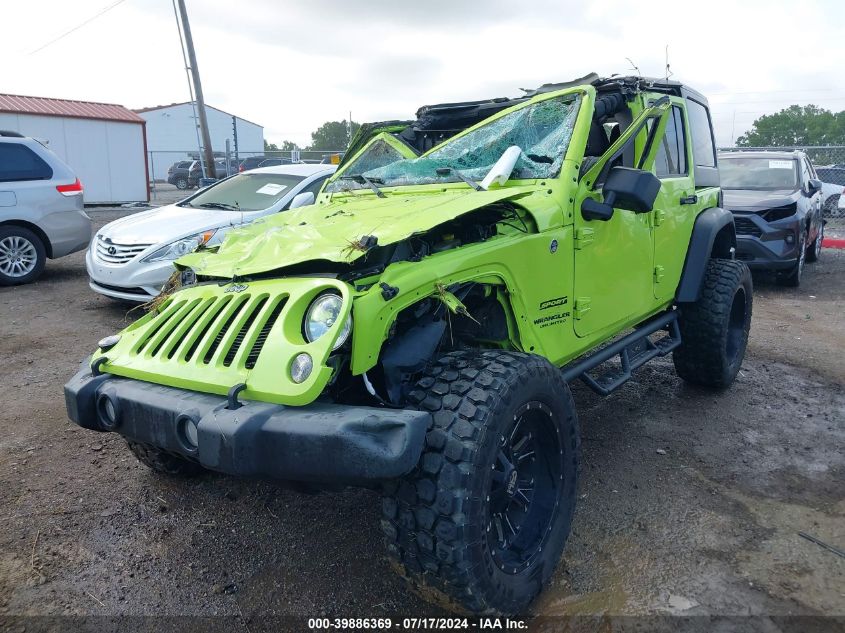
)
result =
(332, 135)
(288, 146)
(796, 125)
(270, 147)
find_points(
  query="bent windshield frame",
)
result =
(249, 191)
(758, 173)
(541, 129)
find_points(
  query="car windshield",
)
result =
(244, 192)
(758, 173)
(541, 130)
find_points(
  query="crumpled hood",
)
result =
(329, 231)
(754, 201)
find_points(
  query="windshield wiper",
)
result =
(363, 179)
(445, 171)
(219, 205)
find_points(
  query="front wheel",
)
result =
(814, 251)
(714, 329)
(482, 521)
(792, 277)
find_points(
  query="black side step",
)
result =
(634, 350)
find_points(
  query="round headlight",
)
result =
(301, 367)
(322, 314)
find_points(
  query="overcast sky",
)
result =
(291, 65)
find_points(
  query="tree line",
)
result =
(330, 136)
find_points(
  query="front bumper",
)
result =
(133, 281)
(767, 245)
(319, 443)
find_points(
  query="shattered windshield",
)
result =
(541, 130)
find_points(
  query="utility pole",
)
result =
(195, 74)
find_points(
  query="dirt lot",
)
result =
(690, 503)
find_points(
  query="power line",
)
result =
(78, 26)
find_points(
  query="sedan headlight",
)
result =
(176, 249)
(322, 314)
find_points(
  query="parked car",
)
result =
(833, 184)
(177, 173)
(415, 331)
(251, 162)
(195, 171)
(132, 258)
(41, 212)
(270, 162)
(776, 199)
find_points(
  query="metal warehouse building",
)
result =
(103, 143)
(172, 134)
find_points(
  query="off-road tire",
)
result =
(714, 329)
(163, 462)
(436, 521)
(792, 277)
(814, 250)
(23, 235)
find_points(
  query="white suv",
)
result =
(41, 212)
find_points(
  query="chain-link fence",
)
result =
(185, 169)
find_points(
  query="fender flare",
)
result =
(713, 235)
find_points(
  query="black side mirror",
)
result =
(813, 186)
(631, 189)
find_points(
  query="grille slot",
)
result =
(166, 332)
(159, 322)
(265, 332)
(239, 338)
(185, 328)
(216, 309)
(122, 253)
(745, 226)
(242, 301)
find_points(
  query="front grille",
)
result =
(745, 226)
(227, 330)
(113, 253)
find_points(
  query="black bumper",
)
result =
(321, 443)
(767, 246)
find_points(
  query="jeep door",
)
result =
(614, 258)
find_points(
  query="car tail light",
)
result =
(240, 168)
(70, 190)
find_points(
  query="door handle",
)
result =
(689, 199)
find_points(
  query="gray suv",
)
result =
(41, 212)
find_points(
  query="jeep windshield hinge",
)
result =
(583, 237)
(582, 306)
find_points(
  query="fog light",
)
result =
(790, 239)
(108, 342)
(301, 367)
(108, 410)
(188, 432)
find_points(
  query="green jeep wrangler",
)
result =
(415, 329)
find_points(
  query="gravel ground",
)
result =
(691, 501)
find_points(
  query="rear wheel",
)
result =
(714, 329)
(162, 461)
(181, 183)
(482, 521)
(22, 256)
